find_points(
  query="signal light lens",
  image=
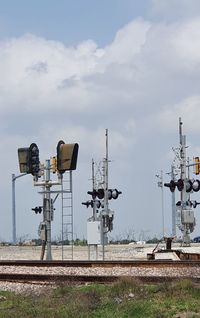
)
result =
(189, 186)
(100, 193)
(196, 185)
(197, 165)
(115, 194)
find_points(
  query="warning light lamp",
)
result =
(173, 184)
(196, 185)
(34, 160)
(114, 194)
(54, 164)
(23, 156)
(100, 193)
(37, 209)
(91, 203)
(29, 161)
(197, 165)
(189, 186)
(67, 155)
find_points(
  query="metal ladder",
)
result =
(67, 216)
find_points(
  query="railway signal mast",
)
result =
(101, 221)
(186, 186)
(29, 163)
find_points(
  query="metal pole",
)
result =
(162, 200)
(14, 236)
(160, 185)
(14, 239)
(173, 205)
(48, 211)
(105, 192)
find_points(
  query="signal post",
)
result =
(186, 186)
(29, 163)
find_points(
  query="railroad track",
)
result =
(28, 271)
(102, 264)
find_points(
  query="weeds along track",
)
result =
(97, 271)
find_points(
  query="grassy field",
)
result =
(126, 298)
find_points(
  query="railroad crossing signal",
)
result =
(173, 184)
(92, 202)
(100, 193)
(37, 209)
(191, 185)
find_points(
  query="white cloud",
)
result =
(175, 9)
(137, 87)
(188, 110)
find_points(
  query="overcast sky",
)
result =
(71, 69)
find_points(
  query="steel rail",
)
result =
(102, 264)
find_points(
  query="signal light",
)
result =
(197, 165)
(180, 184)
(100, 194)
(29, 159)
(196, 185)
(67, 155)
(37, 209)
(54, 164)
(87, 203)
(115, 193)
(91, 203)
(189, 186)
(23, 156)
(173, 184)
(93, 194)
(34, 159)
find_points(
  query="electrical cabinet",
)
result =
(94, 233)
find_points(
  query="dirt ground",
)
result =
(111, 252)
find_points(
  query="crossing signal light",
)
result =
(29, 161)
(37, 209)
(67, 155)
(197, 165)
(196, 185)
(54, 164)
(114, 194)
(91, 203)
(173, 184)
(100, 193)
(87, 203)
(93, 193)
(189, 186)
